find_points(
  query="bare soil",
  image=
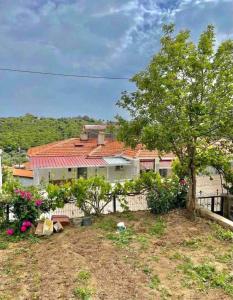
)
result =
(48, 269)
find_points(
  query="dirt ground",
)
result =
(144, 264)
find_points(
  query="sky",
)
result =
(88, 37)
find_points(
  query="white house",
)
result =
(94, 153)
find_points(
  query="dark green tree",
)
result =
(184, 100)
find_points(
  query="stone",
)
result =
(39, 229)
(48, 227)
(57, 227)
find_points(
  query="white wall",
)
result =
(127, 172)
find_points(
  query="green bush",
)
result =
(168, 194)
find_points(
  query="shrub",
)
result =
(168, 194)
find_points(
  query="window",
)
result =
(82, 172)
(163, 172)
(69, 169)
(118, 168)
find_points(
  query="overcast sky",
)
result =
(88, 37)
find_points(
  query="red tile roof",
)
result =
(75, 147)
(22, 173)
(65, 162)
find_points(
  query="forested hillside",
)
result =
(28, 131)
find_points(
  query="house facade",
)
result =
(94, 153)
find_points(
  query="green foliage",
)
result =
(29, 131)
(58, 195)
(122, 238)
(83, 275)
(107, 224)
(192, 243)
(27, 206)
(158, 229)
(3, 245)
(83, 293)
(168, 194)
(154, 282)
(221, 233)
(183, 102)
(92, 194)
(206, 276)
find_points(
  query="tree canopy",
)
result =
(184, 101)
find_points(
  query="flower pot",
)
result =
(86, 221)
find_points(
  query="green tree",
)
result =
(184, 100)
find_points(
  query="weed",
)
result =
(225, 258)
(84, 293)
(221, 233)
(179, 256)
(107, 224)
(3, 245)
(206, 276)
(147, 270)
(192, 243)
(154, 282)
(84, 275)
(143, 240)
(158, 229)
(154, 258)
(129, 216)
(122, 238)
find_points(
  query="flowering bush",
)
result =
(27, 207)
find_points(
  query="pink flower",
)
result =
(27, 224)
(10, 231)
(38, 202)
(23, 228)
(183, 182)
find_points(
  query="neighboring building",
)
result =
(94, 153)
(24, 176)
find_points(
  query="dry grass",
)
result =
(167, 257)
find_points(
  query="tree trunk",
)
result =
(191, 203)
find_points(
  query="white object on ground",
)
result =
(121, 226)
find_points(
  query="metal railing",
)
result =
(214, 203)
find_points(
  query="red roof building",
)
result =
(92, 154)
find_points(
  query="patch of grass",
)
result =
(192, 243)
(154, 282)
(143, 240)
(158, 229)
(122, 238)
(225, 258)
(107, 224)
(83, 293)
(3, 245)
(206, 276)
(179, 256)
(129, 216)
(83, 275)
(154, 258)
(221, 233)
(147, 270)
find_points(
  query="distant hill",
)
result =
(28, 131)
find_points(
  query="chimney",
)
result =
(83, 136)
(101, 138)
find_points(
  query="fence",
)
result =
(213, 203)
(135, 202)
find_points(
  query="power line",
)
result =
(64, 75)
